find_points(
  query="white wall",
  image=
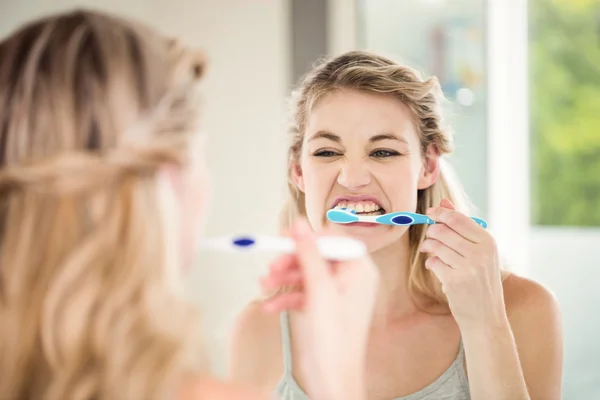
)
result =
(567, 260)
(247, 46)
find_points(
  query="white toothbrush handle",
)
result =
(340, 248)
(337, 248)
(334, 248)
(367, 218)
(274, 243)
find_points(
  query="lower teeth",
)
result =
(379, 212)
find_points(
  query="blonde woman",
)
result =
(102, 187)
(449, 323)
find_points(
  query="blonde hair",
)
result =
(91, 106)
(368, 72)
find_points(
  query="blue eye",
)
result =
(384, 153)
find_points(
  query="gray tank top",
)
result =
(451, 385)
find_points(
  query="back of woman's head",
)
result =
(91, 107)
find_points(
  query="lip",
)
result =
(356, 198)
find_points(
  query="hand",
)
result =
(335, 302)
(465, 259)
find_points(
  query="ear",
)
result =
(430, 170)
(297, 176)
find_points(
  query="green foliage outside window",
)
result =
(564, 59)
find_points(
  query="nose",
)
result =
(354, 176)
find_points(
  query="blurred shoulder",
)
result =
(254, 322)
(211, 388)
(255, 345)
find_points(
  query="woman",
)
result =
(367, 134)
(102, 188)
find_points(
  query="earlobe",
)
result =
(431, 168)
(297, 176)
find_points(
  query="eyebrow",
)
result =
(325, 135)
(377, 138)
(387, 136)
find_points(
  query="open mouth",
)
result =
(366, 207)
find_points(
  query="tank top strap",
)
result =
(286, 342)
(460, 359)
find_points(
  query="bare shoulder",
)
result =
(534, 316)
(255, 345)
(253, 324)
(529, 302)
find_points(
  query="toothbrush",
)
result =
(345, 216)
(335, 248)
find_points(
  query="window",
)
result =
(445, 39)
(564, 53)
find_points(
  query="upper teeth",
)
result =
(359, 206)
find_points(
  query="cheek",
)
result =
(400, 184)
(319, 179)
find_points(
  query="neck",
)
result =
(393, 299)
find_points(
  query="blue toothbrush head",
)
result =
(481, 222)
(342, 216)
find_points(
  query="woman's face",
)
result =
(362, 151)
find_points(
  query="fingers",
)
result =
(439, 268)
(460, 223)
(315, 269)
(284, 271)
(276, 280)
(447, 204)
(283, 263)
(446, 235)
(443, 252)
(305, 267)
(284, 301)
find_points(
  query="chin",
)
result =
(376, 244)
(374, 236)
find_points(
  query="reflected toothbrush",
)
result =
(334, 248)
(346, 216)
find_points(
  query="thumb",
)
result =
(314, 267)
(447, 204)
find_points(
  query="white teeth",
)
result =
(359, 207)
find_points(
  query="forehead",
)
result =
(350, 112)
